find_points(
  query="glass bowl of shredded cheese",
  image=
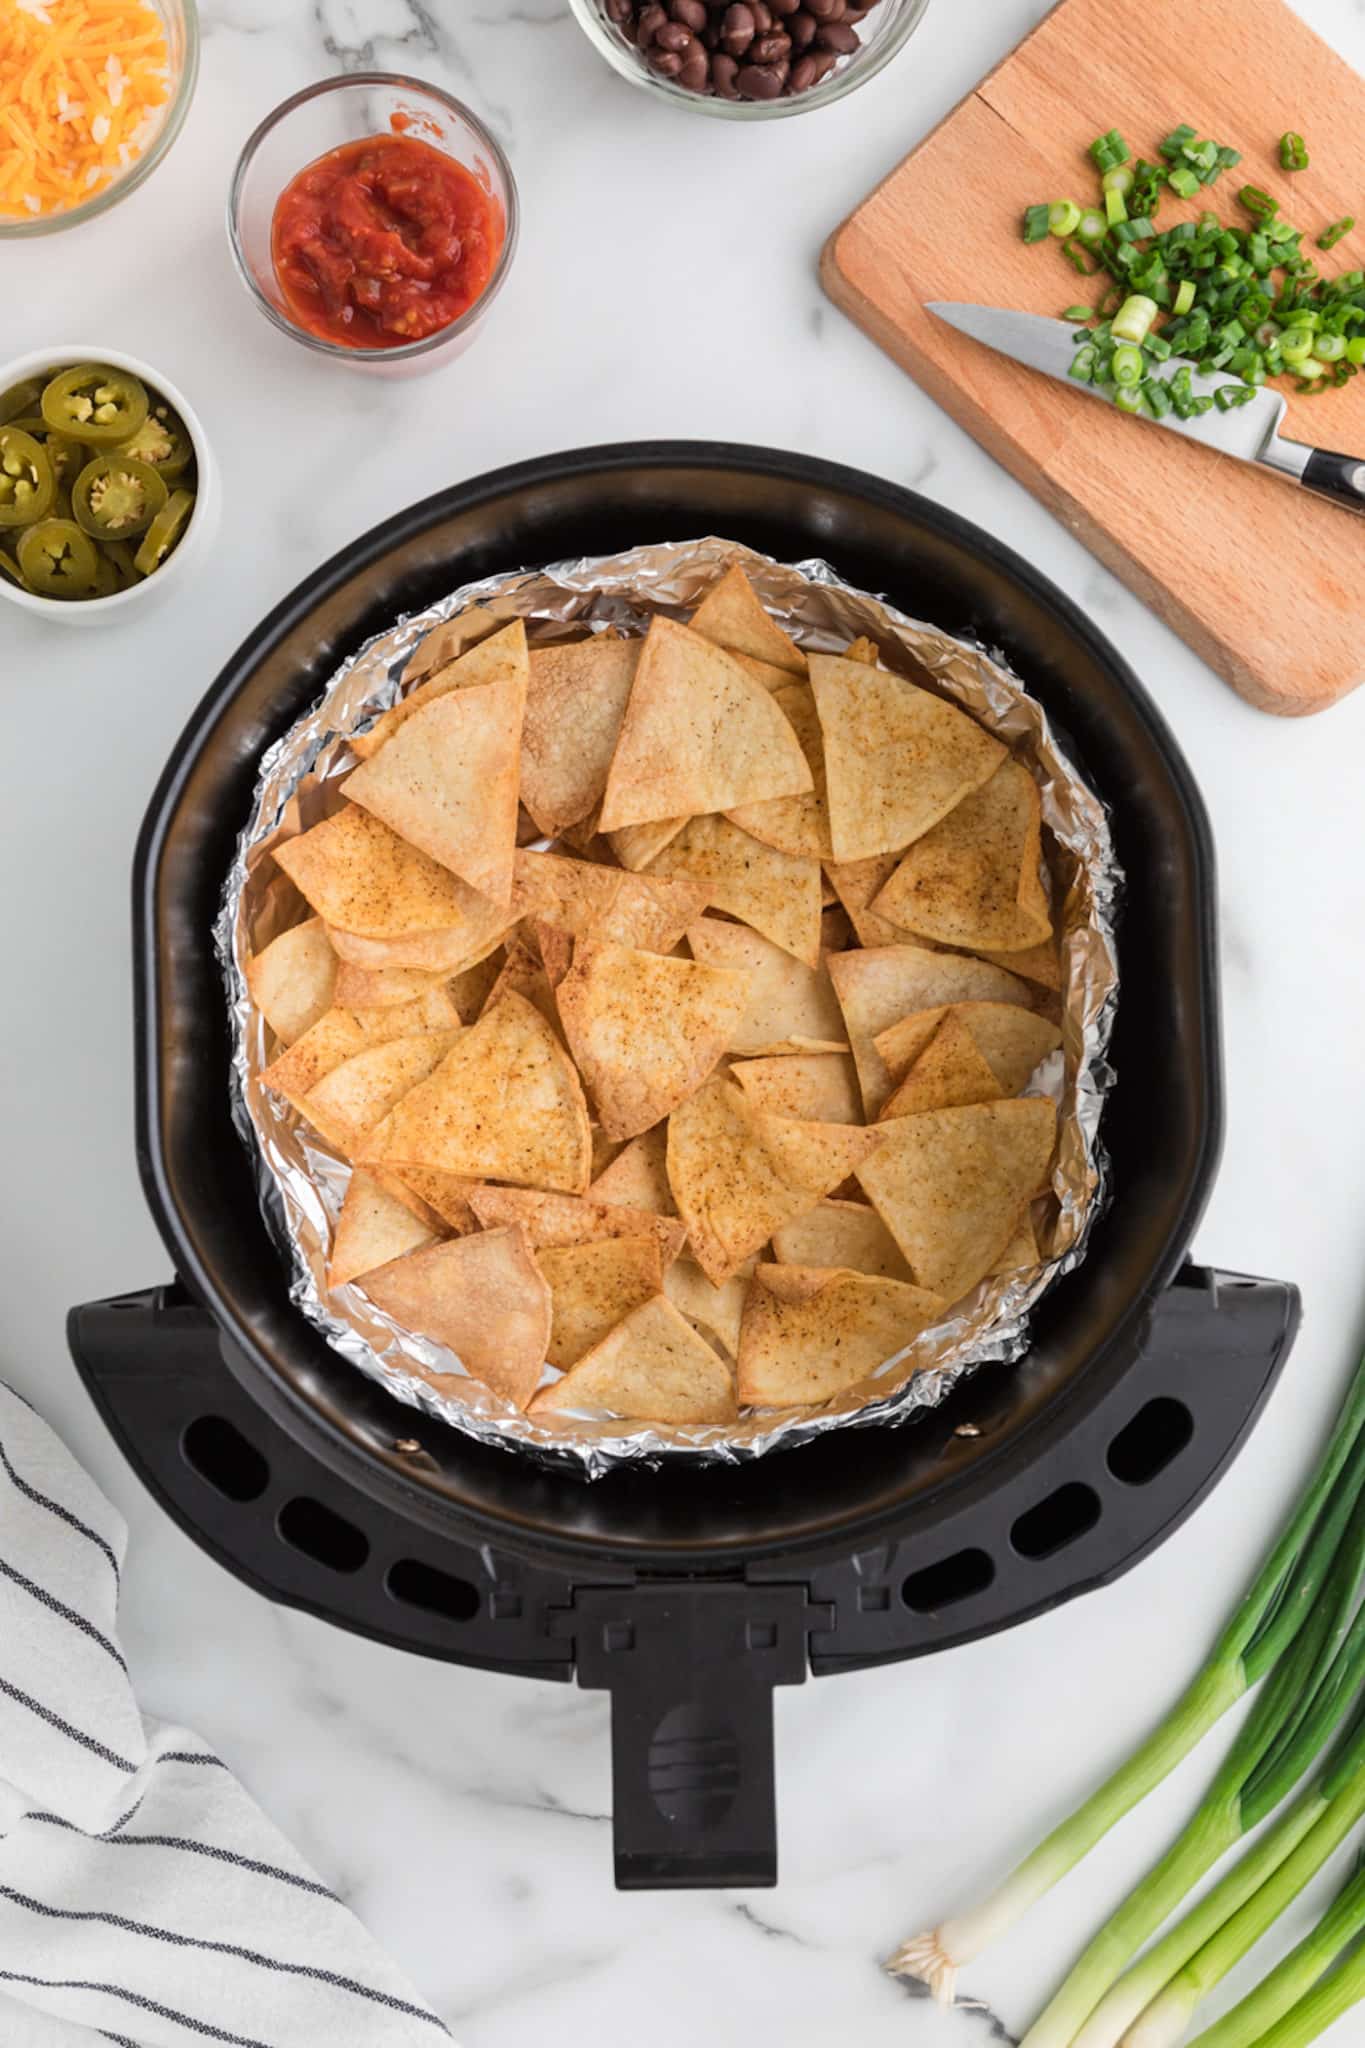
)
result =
(92, 95)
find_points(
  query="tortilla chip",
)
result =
(386, 988)
(1022, 1249)
(592, 902)
(638, 1176)
(373, 1228)
(645, 1030)
(292, 980)
(974, 879)
(501, 658)
(777, 893)
(431, 1194)
(699, 735)
(575, 701)
(791, 1007)
(847, 1234)
(635, 846)
(453, 637)
(444, 954)
(653, 1367)
(482, 1297)
(346, 1104)
(738, 1173)
(881, 984)
(819, 1086)
(772, 678)
(897, 758)
(593, 1287)
(856, 882)
(717, 1309)
(364, 879)
(523, 973)
(809, 1334)
(1036, 963)
(505, 1104)
(864, 650)
(550, 1220)
(952, 1070)
(952, 1184)
(447, 782)
(732, 616)
(795, 824)
(1011, 1040)
(469, 987)
(341, 1034)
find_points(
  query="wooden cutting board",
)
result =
(1264, 580)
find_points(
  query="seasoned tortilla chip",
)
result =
(1042, 964)
(593, 1287)
(717, 1309)
(293, 979)
(732, 615)
(470, 985)
(366, 880)
(523, 973)
(638, 1176)
(819, 1086)
(952, 1184)
(738, 1173)
(897, 758)
(653, 1367)
(1011, 1040)
(791, 1007)
(772, 678)
(847, 1234)
(952, 1070)
(973, 880)
(387, 988)
(881, 984)
(777, 893)
(809, 1334)
(699, 735)
(863, 649)
(341, 1034)
(550, 1220)
(575, 702)
(373, 1228)
(501, 658)
(429, 1193)
(645, 1030)
(1022, 1249)
(796, 824)
(446, 642)
(447, 783)
(348, 1102)
(592, 902)
(482, 1297)
(636, 845)
(444, 953)
(855, 883)
(505, 1104)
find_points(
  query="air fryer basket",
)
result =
(688, 1594)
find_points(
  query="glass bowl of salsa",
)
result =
(374, 218)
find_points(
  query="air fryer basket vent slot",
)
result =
(943, 1585)
(1057, 1521)
(1155, 1437)
(436, 1592)
(320, 1533)
(222, 1456)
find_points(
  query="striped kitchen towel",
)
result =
(143, 1898)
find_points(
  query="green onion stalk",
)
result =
(1276, 1610)
(1341, 1925)
(1319, 2008)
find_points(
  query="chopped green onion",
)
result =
(1297, 344)
(1184, 182)
(1109, 151)
(1128, 398)
(1329, 237)
(1079, 257)
(1176, 141)
(1157, 396)
(1355, 351)
(1127, 366)
(1118, 179)
(1115, 208)
(1230, 396)
(1083, 365)
(1293, 152)
(1133, 321)
(1079, 313)
(1092, 226)
(1184, 297)
(1063, 218)
(1308, 371)
(1037, 223)
(1329, 348)
(1258, 202)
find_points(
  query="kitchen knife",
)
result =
(1251, 432)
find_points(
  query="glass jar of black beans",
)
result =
(742, 49)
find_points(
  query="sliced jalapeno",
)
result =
(164, 531)
(10, 571)
(106, 583)
(116, 497)
(57, 559)
(120, 553)
(20, 398)
(27, 485)
(95, 404)
(162, 442)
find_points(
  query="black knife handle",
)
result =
(1339, 477)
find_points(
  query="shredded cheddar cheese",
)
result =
(83, 86)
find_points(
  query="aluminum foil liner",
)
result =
(302, 1183)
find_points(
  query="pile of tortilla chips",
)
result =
(669, 1003)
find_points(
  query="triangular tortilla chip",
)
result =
(504, 1104)
(881, 984)
(732, 615)
(638, 1176)
(645, 1030)
(809, 1334)
(777, 893)
(699, 735)
(1036, 963)
(469, 987)
(791, 1007)
(346, 1104)
(444, 954)
(739, 1173)
(373, 1228)
(341, 1034)
(974, 880)
(952, 1184)
(717, 1309)
(847, 1234)
(386, 988)
(819, 1086)
(366, 880)
(636, 845)
(501, 658)
(566, 1219)
(795, 824)
(1011, 1040)
(593, 1287)
(772, 678)
(591, 902)
(653, 1367)
(483, 1298)
(523, 973)
(863, 649)
(430, 1194)
(897, 758)
(575, 702)
(855, 883)
(1022, 1249)
(952, 1070)
(447, 782)
(452, 638)
(292, 980)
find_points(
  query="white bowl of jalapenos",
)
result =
(108, 491)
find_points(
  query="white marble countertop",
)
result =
(462, 1814)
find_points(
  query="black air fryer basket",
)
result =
(687, 1593)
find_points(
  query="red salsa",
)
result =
(384, 241)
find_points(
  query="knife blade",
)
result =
(1248, 433)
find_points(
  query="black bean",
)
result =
(761, 81)
(723, 69)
